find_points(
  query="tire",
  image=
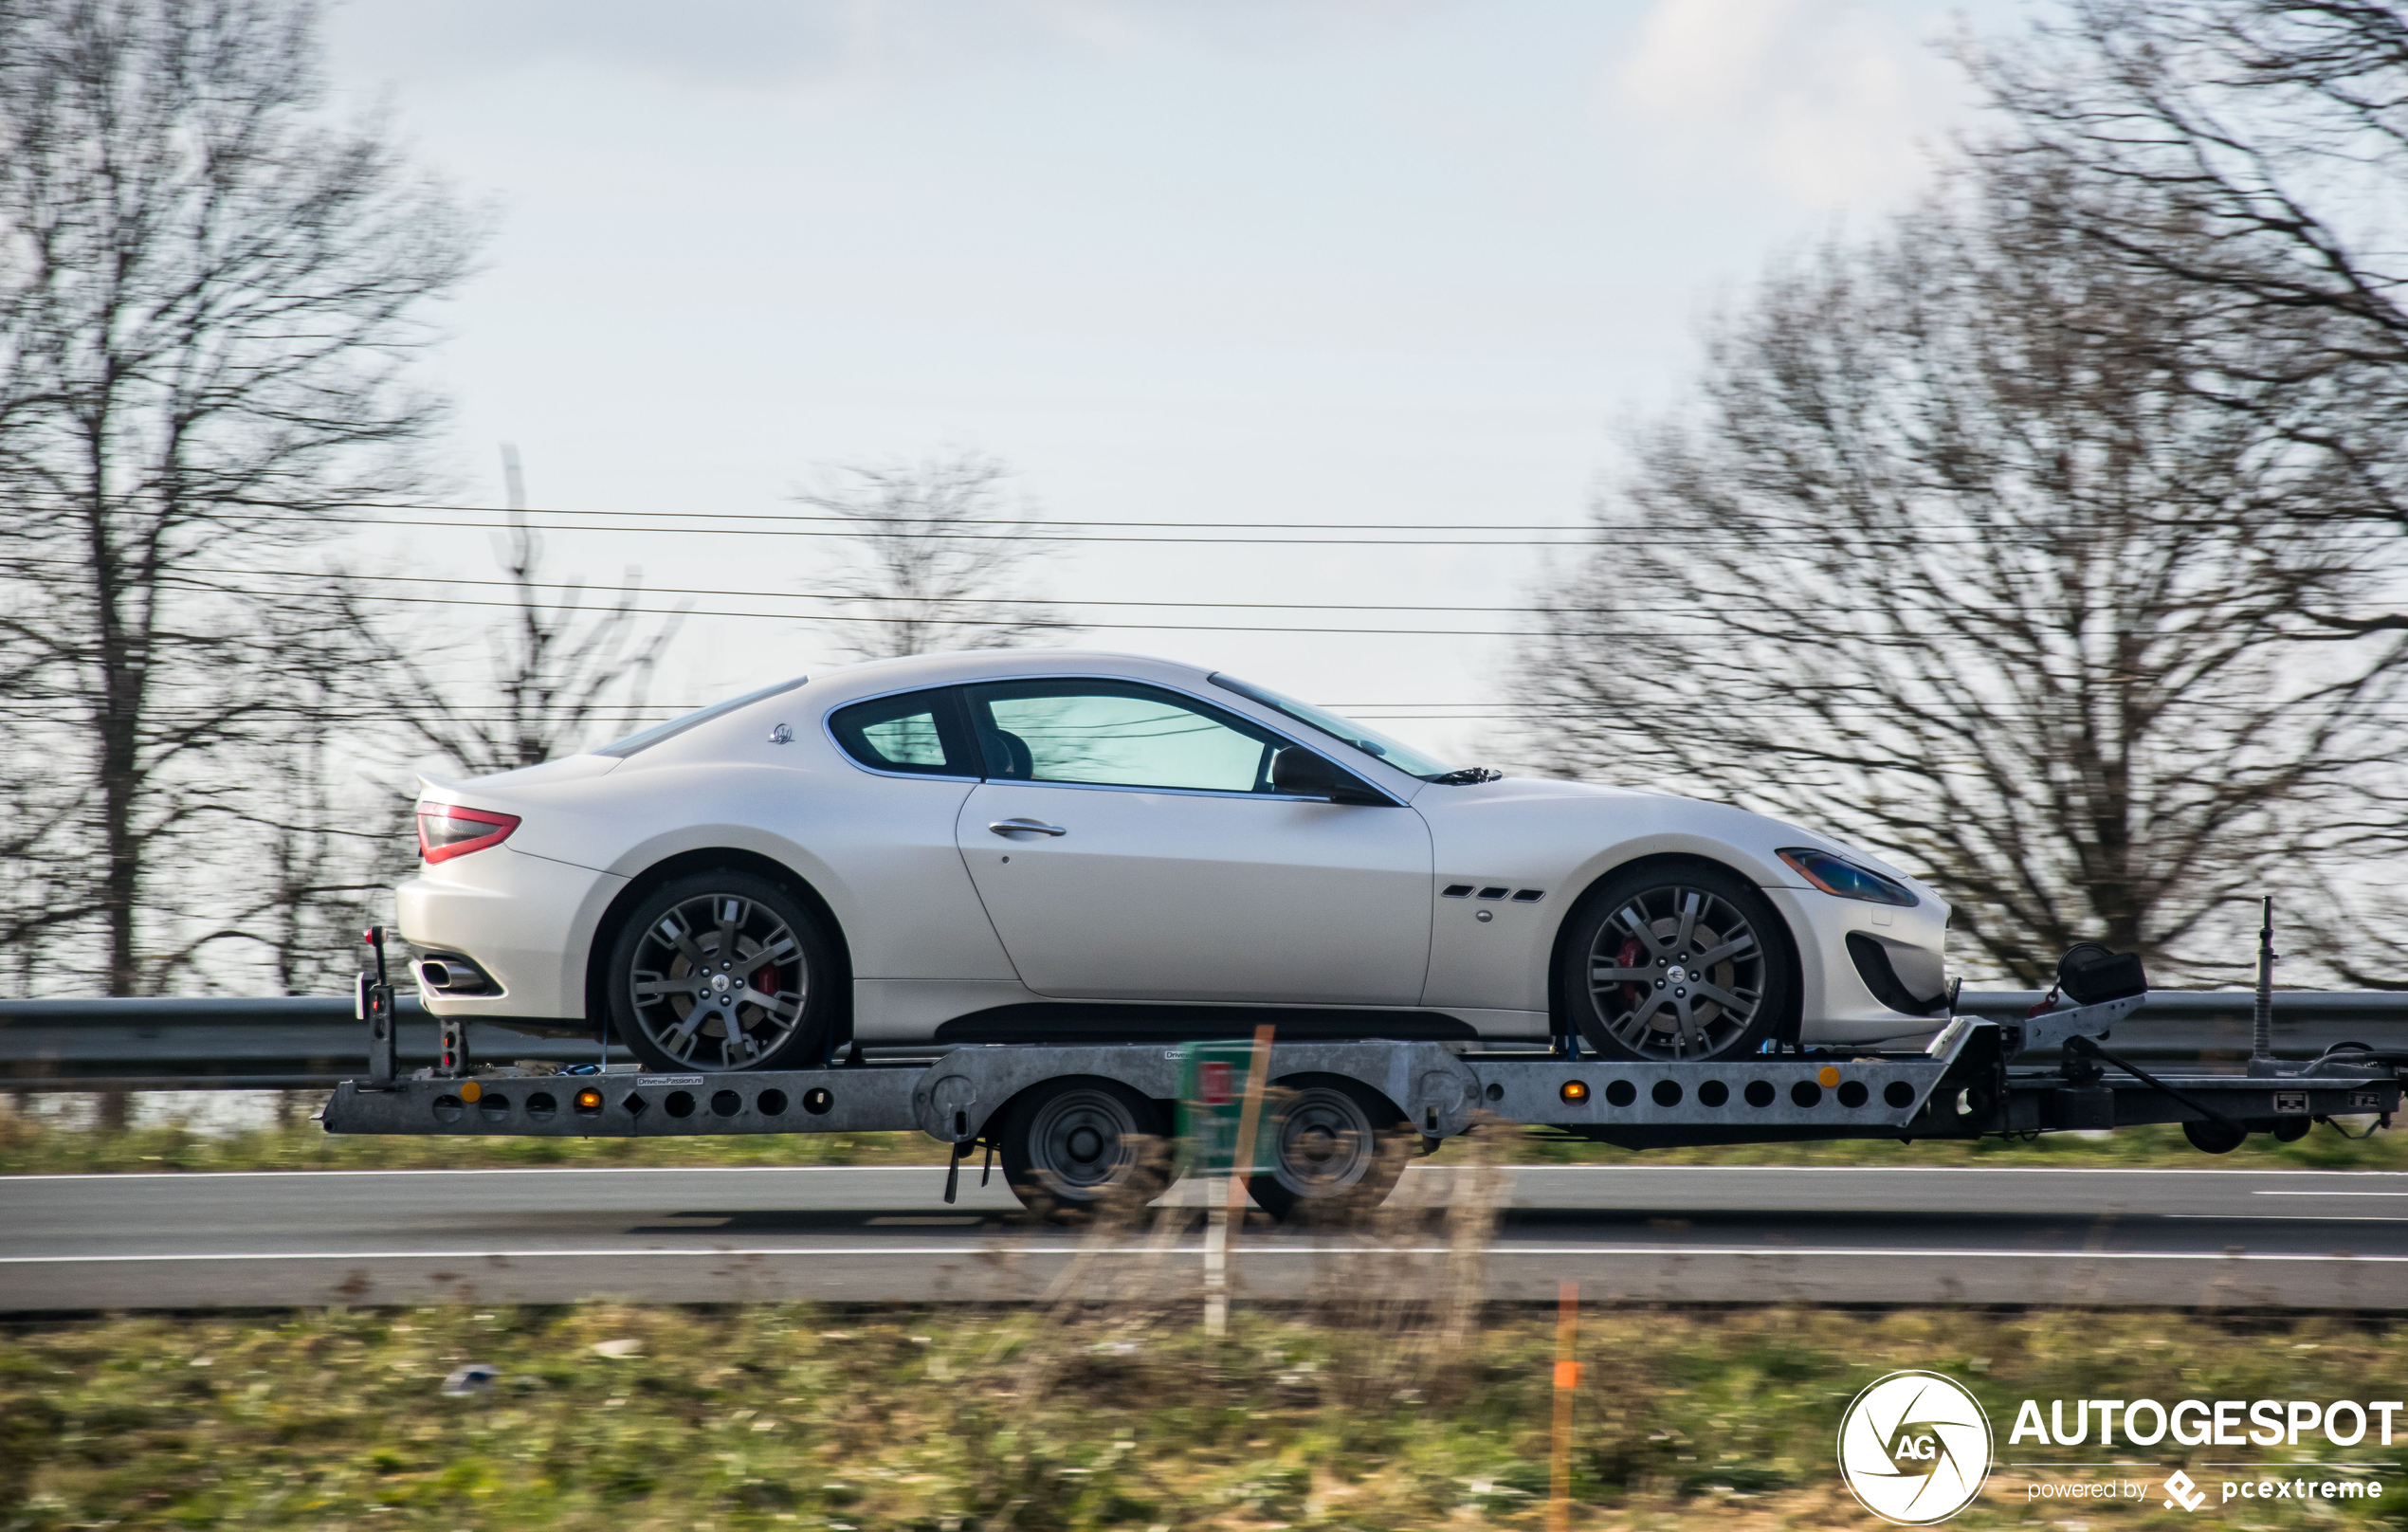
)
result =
(1630, 974)
(1070, 1146)
(1336, 1148)
(684, 985)
(2213, 1137)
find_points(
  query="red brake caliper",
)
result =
(1632, 952)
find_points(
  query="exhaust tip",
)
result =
(447, 973)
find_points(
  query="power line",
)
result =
(861, 526)
(858, 526)
(973, 622)
(845, 595)
(1958, 607)
(1045, 529)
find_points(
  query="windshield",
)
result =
(659, 732)
(1402, 756)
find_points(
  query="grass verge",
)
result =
(631, 1418)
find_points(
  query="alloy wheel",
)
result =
(719, 982)
(1676, 972)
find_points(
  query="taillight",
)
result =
(447, 829)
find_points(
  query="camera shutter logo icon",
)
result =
(1914, 1448)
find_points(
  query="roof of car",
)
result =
(965, 664)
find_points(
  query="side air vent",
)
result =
(1493, 893)
(1457, 890)
(1874, 967)
(1528, 896)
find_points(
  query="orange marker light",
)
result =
(471, 1091)
(1829, 1075)
(1575, 1093)
(589, 1100)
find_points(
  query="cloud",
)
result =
(1830, 102)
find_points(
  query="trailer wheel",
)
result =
(1336, 1148)
(2213, 1137)
(1070, 1146)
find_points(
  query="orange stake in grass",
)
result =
(1567, 1379)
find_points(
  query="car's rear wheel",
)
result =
(722, 970)
(1677, 962)
(1335, 1146)
(1072, 1145)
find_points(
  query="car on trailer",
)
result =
(1053, 846)
(1056, 846)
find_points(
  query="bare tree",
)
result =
(208, 297)
(1952, 557)
(2254, 152)
(939, 554)
(552, 677)
(302, 855)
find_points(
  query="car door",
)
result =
(1128, 846)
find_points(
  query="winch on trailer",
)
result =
(1074, 1124)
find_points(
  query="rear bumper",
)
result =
(527, 921)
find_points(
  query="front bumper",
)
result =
(1839, 1007)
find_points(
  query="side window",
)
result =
(918, 731)
(1115, 733)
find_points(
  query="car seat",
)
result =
(1007, 755)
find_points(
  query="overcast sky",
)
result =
(1358, 260)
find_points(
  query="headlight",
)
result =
(1834, 874)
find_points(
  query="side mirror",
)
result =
(1301, 773)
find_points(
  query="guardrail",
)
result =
(285, 1043)
(308, 1042)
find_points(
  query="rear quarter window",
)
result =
(919, 733)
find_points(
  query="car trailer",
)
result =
(1051, 1111)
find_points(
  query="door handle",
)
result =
(1026, 827)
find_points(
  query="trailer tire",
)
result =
(1336, 1147)
(2213, 1137)
(1076, 1145)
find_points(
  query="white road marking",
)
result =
(1620, 1170)
(1251, 1252)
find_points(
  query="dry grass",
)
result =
(772, 1417)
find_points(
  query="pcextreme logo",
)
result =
(1914, 1448)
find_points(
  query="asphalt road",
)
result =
(2217, 1238)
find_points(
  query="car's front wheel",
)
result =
(722, 970)
(1677, 962)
